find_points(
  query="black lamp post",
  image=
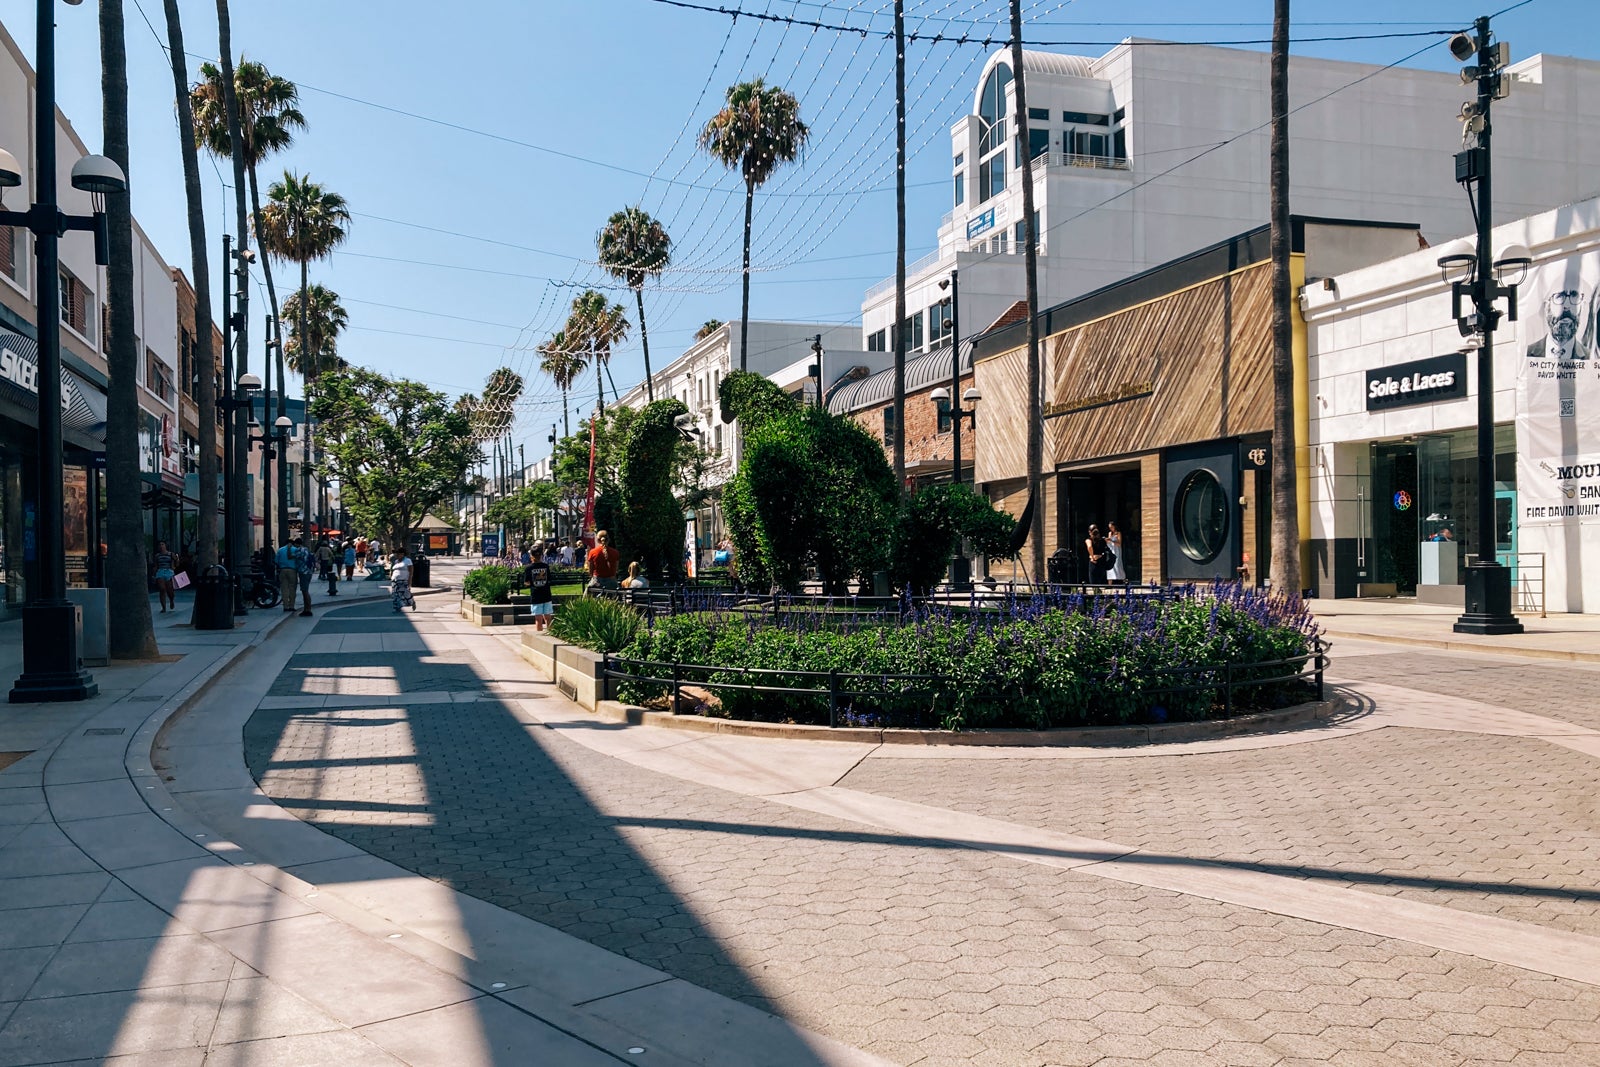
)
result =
(275, 439)
(51, 667)
(1481, 280)
(960, 565)
(234, 503)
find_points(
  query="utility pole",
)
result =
(898, 445)
(1031, 267)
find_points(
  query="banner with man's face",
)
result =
(1558, 393)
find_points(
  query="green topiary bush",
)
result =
(597, 624)
(492, 583)
(933, 522)
(652, 518)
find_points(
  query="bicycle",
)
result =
(262, 591)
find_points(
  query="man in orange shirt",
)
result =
(603, 560)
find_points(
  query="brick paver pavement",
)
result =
(931, 954)
(1566, 691)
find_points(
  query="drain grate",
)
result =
(148, 699)
(103, 731)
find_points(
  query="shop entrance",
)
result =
(1100, 498)
(1395, 534)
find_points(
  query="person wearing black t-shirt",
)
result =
(536, 576)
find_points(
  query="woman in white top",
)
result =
(635, 579)
(1118, 572)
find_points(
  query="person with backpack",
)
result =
(327, 566)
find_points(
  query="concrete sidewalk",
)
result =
(167, 912)
(1405, 621)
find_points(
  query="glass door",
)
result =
(1395, 526)
(1505, 529)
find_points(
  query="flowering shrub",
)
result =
(1037, 662)
(492, 583)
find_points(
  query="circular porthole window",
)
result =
(1200, 516)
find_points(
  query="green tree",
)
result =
(652, 518)
(595, 326)
(758, 128)
(843, 520)
(324, 320)
(933, 522)
(304, 222)
(497, 411)
(269, 116)
(522, 509)
(707, 328)
(398, 448)
(205, 357)
(563, 363)
(633, 247)
(128, 595)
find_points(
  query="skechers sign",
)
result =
(1422, 382)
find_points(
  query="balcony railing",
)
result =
(912, 270)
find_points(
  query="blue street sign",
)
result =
(491, 545)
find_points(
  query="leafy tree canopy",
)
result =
(652, 518)
(931, 524)
(397, 448)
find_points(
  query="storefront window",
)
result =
(1200, 516)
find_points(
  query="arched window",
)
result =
(992, 108)
(992, 132)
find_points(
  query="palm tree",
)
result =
(596, 326)
(758, 128)
(1285, 566)
(268, 119)
(303, 222)
(563, 363)
(707, 328)
(324, 320)
(205, 358)
(632, 247)
(496, 412)
(128, 595)
(238, 547)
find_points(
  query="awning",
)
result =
(83, 405)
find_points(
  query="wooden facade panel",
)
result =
(1151, 525)
(1192, 366)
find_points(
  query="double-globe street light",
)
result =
(274, 443)
(960, 566)
(52, 669)
(235, 503)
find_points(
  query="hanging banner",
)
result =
(1558, 394)
(690, 549)
(588, 504)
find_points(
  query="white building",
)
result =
(1393, 446)
(1104, 131)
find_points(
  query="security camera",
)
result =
(1463, 46)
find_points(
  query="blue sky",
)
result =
(530, 122)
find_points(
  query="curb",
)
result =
(1075, 737)
(1449, 645)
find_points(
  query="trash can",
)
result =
(420, 566)
(213, 599)
(1058, 568)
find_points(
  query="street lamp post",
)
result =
(51, 667)
(270, 440)
(1482, 280)
(953, 283)
(960, 565)
(235, 511)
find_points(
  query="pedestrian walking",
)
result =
(326, 567)
(305, 567)
(349, 561)
(361, 553)
(567, 556)
(166, 565)
(400, 582)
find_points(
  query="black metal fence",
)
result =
(851, 698)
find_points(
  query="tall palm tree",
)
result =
(1285, 567)
(303, 222)
(496, 412)
(204, 358)
(238, 546)
(633, 246)
(597, 325)
(128, 595)
(562, 363)
(324, 319)
(707, 328)
(758, 128)
(269, 115)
